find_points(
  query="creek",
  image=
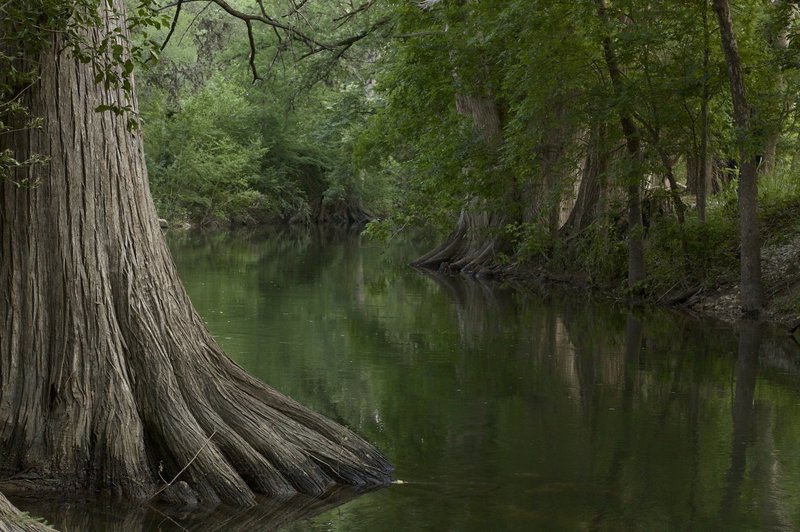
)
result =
(501, 409)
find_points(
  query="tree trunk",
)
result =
(674, 191)
(470, 247)
(554, 169)
(473, 245)
(750, 239)
(703, 175)
(780, 42)
(669, 173)
(770, 154)
(588, 202)
(109, 379)
(482, 109)
(636, 266)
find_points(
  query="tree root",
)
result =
(12, 520)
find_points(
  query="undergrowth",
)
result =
(678, 257)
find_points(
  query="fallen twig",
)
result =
(179, 473)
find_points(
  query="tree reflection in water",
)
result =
(504, 410)
(100, 515)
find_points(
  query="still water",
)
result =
(502, 410)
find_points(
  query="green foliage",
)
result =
(29, 28)
(693, 254)
(779, 201)
(224, 149)
(380, 230)
(417, 140)
(384, 125)
(531, 241)
(601, 253)
(543, 65)
(207, 161)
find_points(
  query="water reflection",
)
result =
(117, 516)
(503, 410)
(743, 413)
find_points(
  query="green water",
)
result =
(503, 410)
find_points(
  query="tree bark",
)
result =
(589, 202)
(472, 246)
(770, 154)
(554, 169)
(703, 174)
(636, 266)
(482, 109)
(779, 42)
(12, 520)
(749, 235)
(109, 379)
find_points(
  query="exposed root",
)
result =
(471, 248)
(262, 443)
(12, 520)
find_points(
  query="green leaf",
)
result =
(116, 51)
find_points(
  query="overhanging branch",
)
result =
(173, 25)
(283, 30)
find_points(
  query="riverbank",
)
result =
(718, 297)
(692, 267)
(780, 270)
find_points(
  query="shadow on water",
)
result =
(754, 430)
(111, 515)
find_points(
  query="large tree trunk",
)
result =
(554, 169)
(470, 248)
(473, 245)
(749, 235)
(482, 109)
(109, 379)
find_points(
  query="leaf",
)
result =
(116, 51)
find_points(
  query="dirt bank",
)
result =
(780, 269)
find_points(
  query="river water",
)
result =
(501, 410)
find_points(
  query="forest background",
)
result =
(591, 142)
